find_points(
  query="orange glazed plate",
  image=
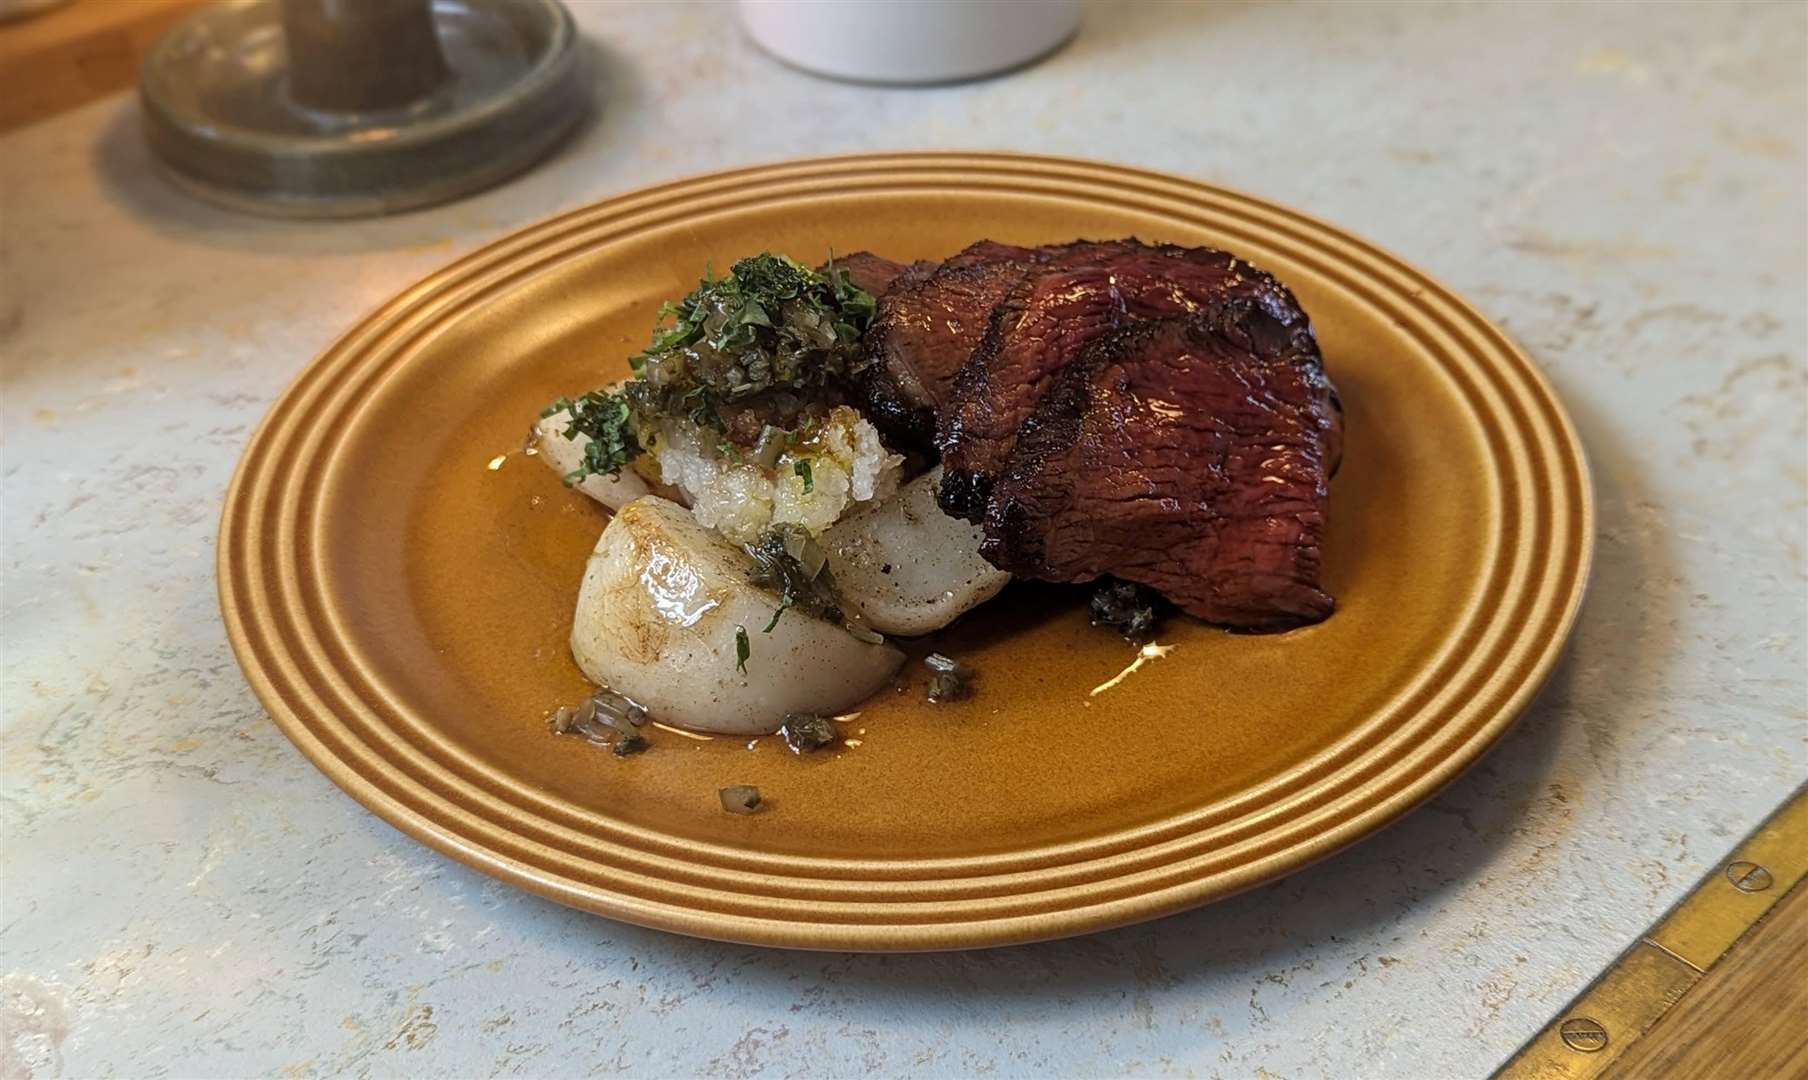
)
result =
(398, 580)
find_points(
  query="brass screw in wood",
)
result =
(1583, 1035)
(1748, 876)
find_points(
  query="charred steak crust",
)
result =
(873, 387)
(927, 325)
(1076, 293)
(1187, 453)
(1041, 325)
(876, 273)
(983, 252)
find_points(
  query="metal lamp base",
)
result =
(222, 110)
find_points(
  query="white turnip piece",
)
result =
(663, 604)
(907, 566)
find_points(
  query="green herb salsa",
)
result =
(772, 324)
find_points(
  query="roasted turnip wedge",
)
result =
(668, 615)
(907, 566)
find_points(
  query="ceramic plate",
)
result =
(398, 581)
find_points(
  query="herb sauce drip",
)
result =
(789, 563)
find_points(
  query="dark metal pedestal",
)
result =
(341, 108)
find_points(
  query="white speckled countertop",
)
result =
(1621, 186)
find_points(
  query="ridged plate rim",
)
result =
(283, 626)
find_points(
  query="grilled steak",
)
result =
(875, 273)
(983, 252)
(929, 324)
(926, 328)
(1077, 293)
(1187, 453)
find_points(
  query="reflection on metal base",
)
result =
(220, 114)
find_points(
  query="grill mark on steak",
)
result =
(1046, 320)
(1190, 454)
(926, 328)
(928, 325)
(1076, 293)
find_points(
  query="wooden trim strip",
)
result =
(1667, 963)
(1746, 1018)
(71, 55)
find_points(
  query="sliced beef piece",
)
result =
(991, 251)
(929, 324)
(925, 330)
(1189, 454)
(876, 273)
(1075, 294)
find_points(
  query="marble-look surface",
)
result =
(1621, 186)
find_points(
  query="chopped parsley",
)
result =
(773, 310)
(788, 562)
(742, 650)
(608, 420)
(772, 324)
(783, 604)
(802, 468)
